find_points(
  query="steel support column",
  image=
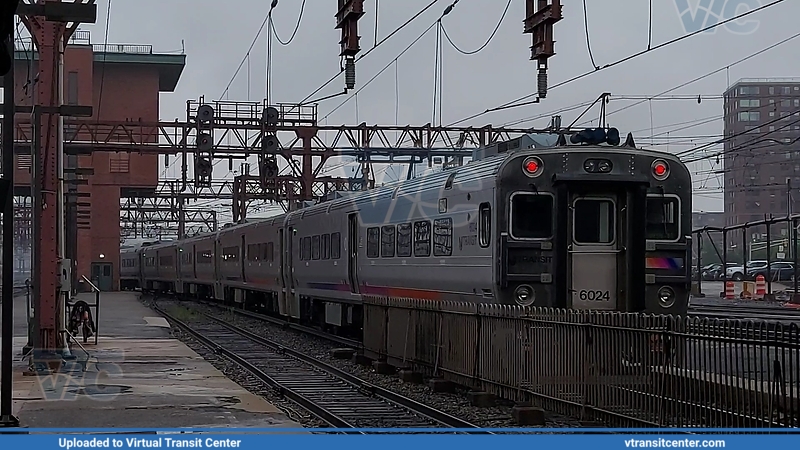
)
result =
(7, 418)
(48, 36)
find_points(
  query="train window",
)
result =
(165, 261)
(404, 240)
(326, 246)
(315, 247)
(307, 248)
(443, 237)
(663, 218)
(230, 254)
(335, 245)
(270, 256)
(373, 242)
(252, 252)
(531, 216)
(593, 221)
(485, 225)
(387, 241)
(422, 238)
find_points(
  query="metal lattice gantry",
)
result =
(284, 133)
(163, 217)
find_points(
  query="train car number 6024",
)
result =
(594, 296)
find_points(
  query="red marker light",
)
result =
(532, 166)
(660, 169)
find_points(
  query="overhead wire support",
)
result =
(540, 19)
(350, 12)
(364, 55)
(385, 68)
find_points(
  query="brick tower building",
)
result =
(121, 83)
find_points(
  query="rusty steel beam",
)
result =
(237, 130)
(48, 36)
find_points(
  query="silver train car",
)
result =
(582, 226)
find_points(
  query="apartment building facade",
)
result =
(761, 152)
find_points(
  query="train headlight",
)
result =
(524, 295)
(660, 170)
(597, 166)
(533, 166)
(666, 296)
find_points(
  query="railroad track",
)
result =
(356, 345)
(777, 314)
(340, 399)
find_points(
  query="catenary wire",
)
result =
(516, 103)
(458, 49)
(364, 55)
(296, 27)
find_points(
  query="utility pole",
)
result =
(50, 23)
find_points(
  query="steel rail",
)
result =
(356, 345)
(414, 406)
(330, 418)
(358, 385)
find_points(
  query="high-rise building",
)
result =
(762, 150)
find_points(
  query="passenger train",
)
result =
(542, 220)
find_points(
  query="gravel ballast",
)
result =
(455, 404)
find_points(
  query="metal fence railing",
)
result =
(620, 368)
(767, 247)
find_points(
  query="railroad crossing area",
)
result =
(137, 376)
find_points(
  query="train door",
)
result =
(594, 250)
(178, 288)
(292, 302)
(282, 272)
(242, 258)
(219, 291)
(352, 252)
(193, 260)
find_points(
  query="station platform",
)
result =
(137, 376)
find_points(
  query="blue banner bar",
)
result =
(301, 439)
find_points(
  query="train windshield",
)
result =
(663, 218)
(531, 216)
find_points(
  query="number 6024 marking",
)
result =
(594, 296)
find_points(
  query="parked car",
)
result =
(778, 271)
(737, 272)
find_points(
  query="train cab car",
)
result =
(592, 226)
(129, 268)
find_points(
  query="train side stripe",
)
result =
(385, 291)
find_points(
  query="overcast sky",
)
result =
(217, 35)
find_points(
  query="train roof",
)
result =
(487, 165)
(486, 162)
